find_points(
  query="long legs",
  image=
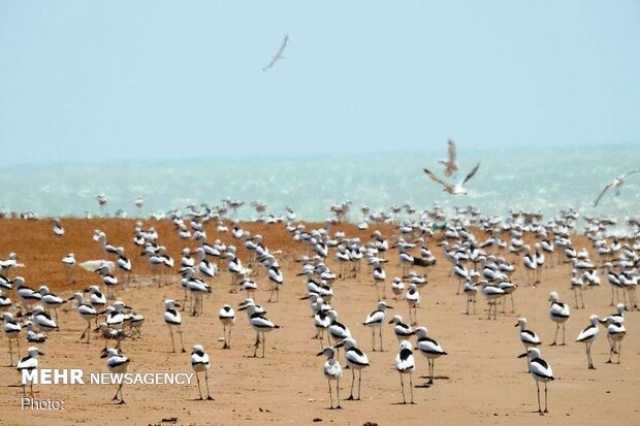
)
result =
(404, 399)
(337, 394)
(589, 360)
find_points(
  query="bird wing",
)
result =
(632, 172)
(606, 188)
(437, 179)
(278, 54)
(452, 151)
(471, 173)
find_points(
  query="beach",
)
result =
(480, 381)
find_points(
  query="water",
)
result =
(544, 179)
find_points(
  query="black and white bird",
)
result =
(588, 336)
(332, 372)
(528, 338)
(200, 363)
(357, 361)
(57, 228)
(69, 262)
(615, 334)
(400, 329)
(615, 184)
(559, 313)
(375, 320)
(541, 372)
(117, 363)
(28, 364)
(405, 364)
(259, 322)
(12, 329)
(412, 296)
(86, 311)
(430, 348)
(173, 319)
(457, 188)
(227, 317)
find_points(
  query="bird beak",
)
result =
(127, 307)
(391, 322)
(242, 307)
(389, 307)
(516, 325)
(320, 353)
(305, 297)
(177, 305)
(340, 344)
(522, 355)
(40, 353)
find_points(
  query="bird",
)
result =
(615, 333)
(616, 184)
(541, 372)
(454, 189)
(28, 364)
(200, 363)
(400, 329)
(356, 360)
(374, 320)
(173, 319)
(86, 311)
(259, 322)
(412, 296)
(278, 56)
(227, 317)
(559, 313)
(332, 372)
(117, 363)
(57, 228)
(528, 338)
(430, 348)
(405, 364)
(451, 163)
(12, 329)
(588, 336)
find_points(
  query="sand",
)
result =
(482, 380)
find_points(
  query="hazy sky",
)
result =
(89, 80)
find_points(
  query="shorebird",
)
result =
(379, 276)
(541, 372)
(357, 361)
(332, 372)
(430, 348)
(86, 311)
(259, 322)
(173, 319)
(470, 290)
(227, 317)
(451, 163)
(405, 364)
(337, 330)
(615, 333)
(588, 336)
(615, 184)
(50, 300)
(374, 320)
(397, 287)
(42, 320)
(412, 296)
(57, 228)
(277, 279)
(400, 329)
(559, 313)
(528, 338)
(454, 189)
(11, 329)
(200, 363)
(117, 363)
(28, 364)
(33, 336)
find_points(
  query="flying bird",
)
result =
(278, 56)
(453, 189)
(450, 164)
(614, 184)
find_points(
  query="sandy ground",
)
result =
(483, 382)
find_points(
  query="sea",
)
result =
(543, 179)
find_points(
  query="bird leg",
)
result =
(555, 336)
(198, 380)
(206, 381)
(353, 378)
(546, 405)
(539, 406)
(411, 386)
(404, 399)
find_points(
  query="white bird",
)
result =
(614, 184)
(57, 228)
(117, 363)
(29, 363)
(541, 372)
(357, 361)
(332, 372)
(173, 319)
(200, 362)
(559, 313)
(12, 329)
(528, 338)
(454, 189)
(451, 163)
(405, 364)
(86, 311)
(588, 336)
(227, 317)
(412, 296)
(401, 330)
(430, 348)
(615, 333)
(259, 322)
(374, 320)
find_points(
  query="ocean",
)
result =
(541, 179)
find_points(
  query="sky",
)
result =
(109, 80)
